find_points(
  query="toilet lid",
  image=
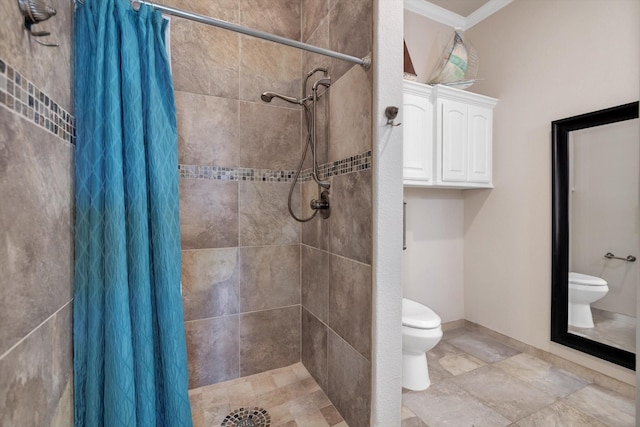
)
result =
(416, 315)
(586, 280)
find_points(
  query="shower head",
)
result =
(268, 96)
(322, 82)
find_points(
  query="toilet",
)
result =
(421, 331)
(583, 291)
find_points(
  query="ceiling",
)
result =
(459, 14)
(461, 7)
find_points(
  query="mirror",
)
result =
(595, 232)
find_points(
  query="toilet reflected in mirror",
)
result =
(583, 291)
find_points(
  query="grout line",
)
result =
(241, 313)
(13, 347)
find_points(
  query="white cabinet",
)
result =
(447, 143)
(417, 113)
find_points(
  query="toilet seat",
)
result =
(416, 315)
(585, 280)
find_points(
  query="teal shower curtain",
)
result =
(130, 362)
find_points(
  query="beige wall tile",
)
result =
(205, 59)
(269, 136)
(267, 66)
(315, 279)
(27, 380)
(315, 232)
(270, 277)
(281, 18)
(312, 12)
(350, 115)
(264, 217)
(50, 69)
(350, 303)
(60, 397)
(36, 216)
(350, 223)
(269, 339)
(208, 131)
(227, 10)
(350, 31)
(314, 348)
(210, 285)
(212, 350)
(208, 213)
(349, 382)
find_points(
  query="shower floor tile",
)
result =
(290, 395)
(509, 389)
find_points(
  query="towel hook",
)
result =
(35, 11)
(391, 113)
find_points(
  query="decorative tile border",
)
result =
(234, 174)
(340, 167)
(24, 98)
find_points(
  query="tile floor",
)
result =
(614, 329)
(478, 381)
(290, 395)
(475, 381)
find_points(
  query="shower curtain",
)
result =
(130, 363)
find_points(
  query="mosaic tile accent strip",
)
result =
(340, 167)
(24, 98)
(234, 174)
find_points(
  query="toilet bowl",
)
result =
(421, 331)
(583, 291)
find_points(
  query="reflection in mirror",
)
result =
(596, 169)
(604, 165)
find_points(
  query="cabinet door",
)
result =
(417, 137)
(454, 141)
(479, 133)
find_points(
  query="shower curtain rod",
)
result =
(364, 62)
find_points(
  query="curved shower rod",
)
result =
(364, 62)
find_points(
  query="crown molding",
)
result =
(436, 13)
(446, 17)
(485, 11)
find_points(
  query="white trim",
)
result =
(435, 12)
(386, 369)
(446, 17)
(491, 7)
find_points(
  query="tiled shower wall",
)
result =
(36, 219)
(336, 253)
(244, 258)
(241, 249)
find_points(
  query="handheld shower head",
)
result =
(268, 97)
(322, 82)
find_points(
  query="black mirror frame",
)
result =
(560, 232)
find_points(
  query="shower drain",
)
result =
(247, 417)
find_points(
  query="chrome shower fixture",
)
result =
(322, 82)
(35, 11)
(268, 97)
(309, 102)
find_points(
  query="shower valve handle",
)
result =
(319, 204)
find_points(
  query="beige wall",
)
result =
(432, 262)
(544, 61)
(426, 40)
